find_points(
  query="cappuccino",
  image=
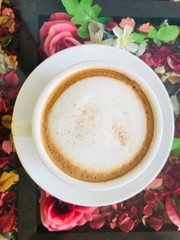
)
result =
(97, 125)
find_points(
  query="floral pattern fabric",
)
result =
(159, 47)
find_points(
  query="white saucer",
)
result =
(24, 107)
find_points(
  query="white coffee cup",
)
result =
(32, 127)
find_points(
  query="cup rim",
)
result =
(98, 186)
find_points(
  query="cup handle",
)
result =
(21, 128)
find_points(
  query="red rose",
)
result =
(58, 33)
(57, 215)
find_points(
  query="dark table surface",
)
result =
(29, 226)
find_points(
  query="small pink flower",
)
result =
(127, 22)
(7, 146)
(58, 33)
(145, 28)
(58, 216)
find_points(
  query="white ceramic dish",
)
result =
(24, 108)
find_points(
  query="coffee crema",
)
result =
(97, 125)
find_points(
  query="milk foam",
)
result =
(98, 123)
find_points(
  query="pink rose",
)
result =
(58, 216)
(58, 33)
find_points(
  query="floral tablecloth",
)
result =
(159, 47)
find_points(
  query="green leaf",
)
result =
(89, 2)
(175, 150)
(153, 33)
(83, 13)
(168, 33)
(83, 31)
(6, 40)
(139, 37)
(103, 19)
(95, 11)
(70, 6)
(165, 34)
(81, 17)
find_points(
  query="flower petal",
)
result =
(127, 224)
(132, 47)
(127, 22)
(7, 146)
(127, 31)
(117, 31)
(7, 179)
(171, 212)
